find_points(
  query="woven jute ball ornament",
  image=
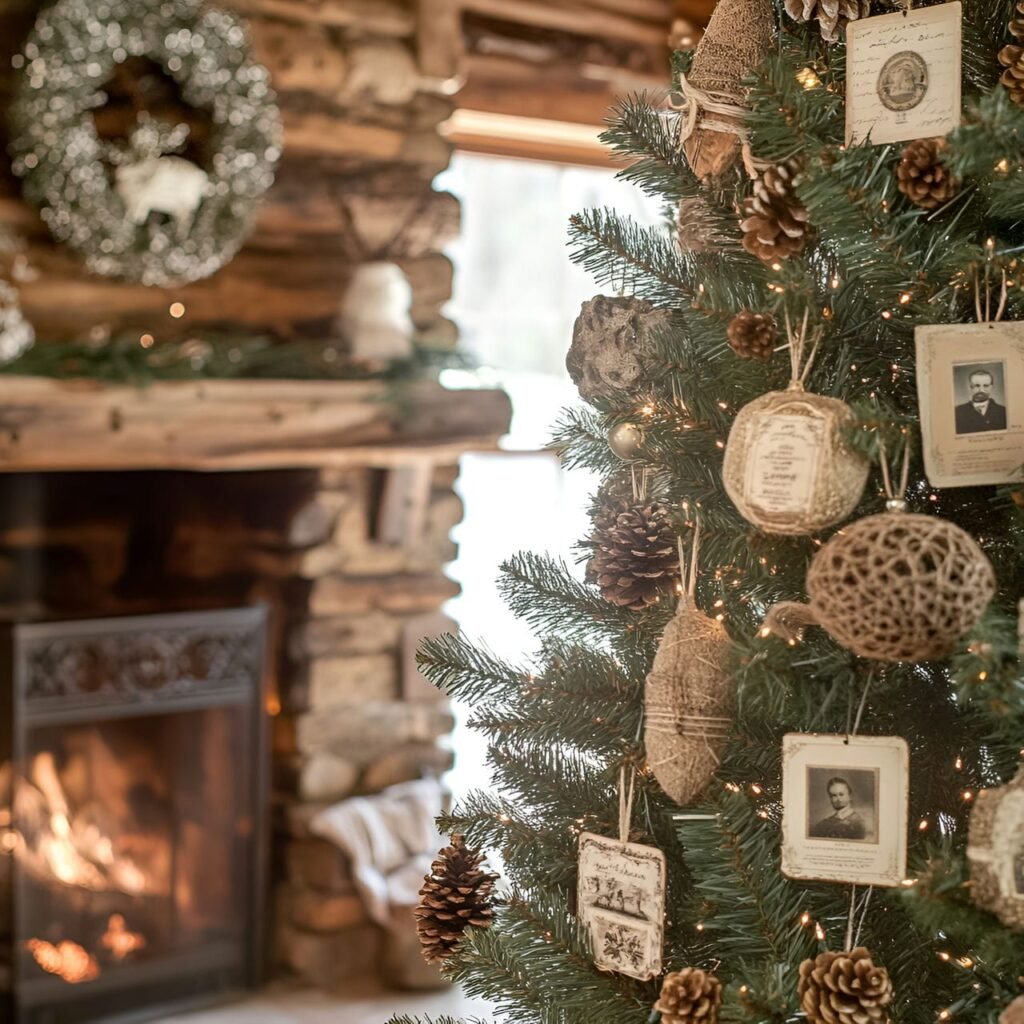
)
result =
(611, 342)
(895, 587)
(922, 176)
(456, 895)
(788, 467)
(1011, 57)
(689, 700)
(832, 15)
(689, 996)
(844, 988)
(737, 39)
(752, 335)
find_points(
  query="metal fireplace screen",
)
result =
(131, 816)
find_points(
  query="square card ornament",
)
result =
(621, 902)
(903, 75)
(970, 388)
(845, 806)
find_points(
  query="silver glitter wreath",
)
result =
(72, 51)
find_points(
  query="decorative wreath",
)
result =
(98, 198)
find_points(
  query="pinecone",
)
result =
(774, 220)
(832, 15)
(689, 996)
(844, 988)
(635, 553)
(752, 335)
(923, 177)
(456, 894)
(1011, 57)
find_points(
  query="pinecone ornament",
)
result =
(689, 996)
(844, 988)
(775, 222)
(922, 176)
(455, 895)
(752, 335)
(832, 15)
(1011, 57)
(636, 559)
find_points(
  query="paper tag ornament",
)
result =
(621, 902)
(903, 75)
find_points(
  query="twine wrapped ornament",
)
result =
(737, 39)
(689, 698)
(788, 467)
(894, 586)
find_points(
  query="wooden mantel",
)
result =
(48, 425)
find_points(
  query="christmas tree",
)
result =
(793, 668)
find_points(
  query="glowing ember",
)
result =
(67, 960)
(119, 940)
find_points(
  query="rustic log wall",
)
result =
(362, 145)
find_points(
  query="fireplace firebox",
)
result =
(132, 815)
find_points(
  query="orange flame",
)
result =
(67, 960)
(119, 940)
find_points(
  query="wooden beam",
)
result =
(48, 425)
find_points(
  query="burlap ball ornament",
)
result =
(894, 586)
(788, 467)
(737, 39)
(689, 699)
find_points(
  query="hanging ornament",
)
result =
(844, 988)
(635, 561)
(625, 440)
(788, 467)
(610, 342)
(894, 586)
(712, 96)
(689, 697)
(994, 852)
(689, 996)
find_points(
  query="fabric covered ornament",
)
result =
(689, 698)
(610, 341)
(832, 15)
(737, 39)
(922, 176)
(788, 467)
(844, 988)
(1011, 57)
(894, 586)
(456, 895)
(689, 996)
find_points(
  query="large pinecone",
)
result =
(752, 335)
(832, 15)
(844, 988)
(636, 558)
(689, 996)
(455, 895)
(922, 175)
(774, 220)
(1011, 57)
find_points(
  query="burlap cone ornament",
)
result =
(894, 586)
(689, 699)
(788, 467)
(737, 40)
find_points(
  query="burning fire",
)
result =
(67, 960)
(119, 940)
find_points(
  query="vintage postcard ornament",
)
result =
(621, 902)
(845, 811)
(903, 78)
(970, 385)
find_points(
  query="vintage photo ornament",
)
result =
(995, 851)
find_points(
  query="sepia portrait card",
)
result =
(621, 902)
(903, 75)
(970, 379)
(844, 815)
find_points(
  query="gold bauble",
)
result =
(625, 440)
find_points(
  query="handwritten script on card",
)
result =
(903, 75)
